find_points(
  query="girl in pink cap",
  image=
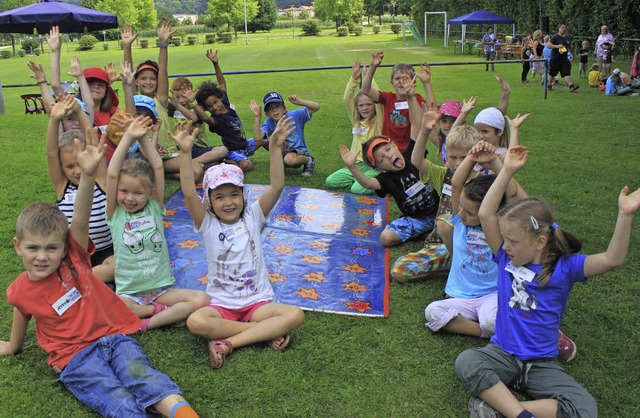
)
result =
(241, 310)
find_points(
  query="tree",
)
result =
(12, 4)
(124, 9)
(147, 17)
(231, 12)
(339, 11)
(266, 17)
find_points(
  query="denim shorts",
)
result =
(113, 377)
(407, 228)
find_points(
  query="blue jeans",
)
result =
(113, 377)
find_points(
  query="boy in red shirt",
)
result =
(80, 322)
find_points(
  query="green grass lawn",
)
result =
(583, 150)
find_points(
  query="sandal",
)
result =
(157, 308)
(274, 343)
(217, 354)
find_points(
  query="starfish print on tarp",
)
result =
(204, 279)
(308, 293)
(166, 224)
(360, 232)
(355, 268)
(190, 243)
(283, 217)
(371, 222)
(364, 211)
(312, 259)
(315, 277)
(355, 287)
(307, 218)
(276, 277)
(169, 212)
(366, 200)
(359, 306)
(283, 249)
(332, 227)
(319, 245)
(338, 205)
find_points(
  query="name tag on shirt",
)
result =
(446, 189)
(230, 233)
(140, 224)
(415, 189)
(70, 197)
(520, 272)
(476, 237)
(355, 131)
(102, 128)
(178, 115)
(402, 105)
(65, 302)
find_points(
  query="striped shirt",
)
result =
(98, 228)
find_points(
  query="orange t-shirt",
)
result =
(96, 314)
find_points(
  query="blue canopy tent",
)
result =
(479, 17)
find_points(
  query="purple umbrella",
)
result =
(48, 13)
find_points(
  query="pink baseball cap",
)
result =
(221, 174)
(450, 108)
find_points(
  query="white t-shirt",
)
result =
(237, 275)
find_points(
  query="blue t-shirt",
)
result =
(295, 141)
(473, 273)
(529, 315)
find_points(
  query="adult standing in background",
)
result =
(488, 41)
(605, 36)
(559, 63)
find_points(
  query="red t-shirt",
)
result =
(101, 119)
(396, 124)
(96, 314)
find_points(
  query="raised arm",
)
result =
(129, 87)
(350, 160)
(256, 109)
(425, 76)
(284, 128)
(89, 160)
(481, 153)
(430, 118)
(516, 158)
(41, 80)
(467, 106)
(85, 92)
(628, 205)
(137, 129)
(162, 93)
(504, 96)
(56, 173)
(53, 39)
(213, 56)
(148, 148)
(192, 201)
(312, 107)
(18, 331)
(127, 37)
(350, 91)
(188, 113)
(367, 84)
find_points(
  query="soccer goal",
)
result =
(444, 27)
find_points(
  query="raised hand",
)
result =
(53, 39)
(430, 116)
(518, 120)
(506, 88)
(284, 128)
(629, 203)
(294, 99)
(189, 94)
(38, 71)
(356, 70)
(183, 138)
(76, 68)
(127, 36)
(376, 58)
(515, 159)
(467, 105)
(348, 158)
(111, 71)
(139, 127)
(483, 152)
(90, 158)
(62, 107)
(213, 56)
(425, 73)
(93, 136)
(127, 73)
(255, 108)
(165, 32)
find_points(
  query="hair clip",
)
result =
(534, 223)
(554, 225)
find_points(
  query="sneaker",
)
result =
(309, 168)
(480, 409)
(573, 87)
(567, 349)
(549, 86)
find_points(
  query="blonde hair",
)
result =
(42, 219)
(537, 34)
(65, 140)
(402, 68)
(462, 138)
(536, 218)
(139, 168)
(356, 113)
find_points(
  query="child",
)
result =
(366, 121)
(241, 310)
(615, 85)
(417, 201)
(80, 323)
(449, 111)
(607, 48)
(584, 59)
(65, 173)
(224, 120)
(295, 150)
(135, 193)
(396, 124)
(538, 263)
(594, 76)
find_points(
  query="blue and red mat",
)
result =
(321, 249)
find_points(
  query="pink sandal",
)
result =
(274, 343)
(217, 354)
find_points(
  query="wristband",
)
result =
(163, 45)
(42, 82)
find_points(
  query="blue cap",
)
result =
(273, 97)
(146, 104)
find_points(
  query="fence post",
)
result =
(1, 100)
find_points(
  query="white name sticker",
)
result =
(178, 115)
(415, 189)
(476, 237)
(70, 197)
(520, 272)
(402, 105)
(140, 224)
(446, 189)
(66, 301)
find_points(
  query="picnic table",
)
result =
(509, 51)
